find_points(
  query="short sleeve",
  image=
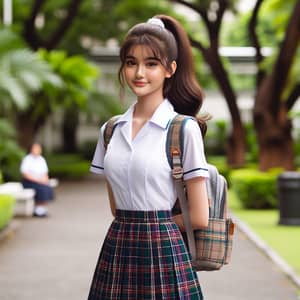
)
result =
(97, 165)
(193, 160)
(44, 165)
(24, 165)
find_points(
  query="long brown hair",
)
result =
(169, 44)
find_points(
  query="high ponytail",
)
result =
(182, 89)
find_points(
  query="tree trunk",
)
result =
(30, 33)
(255, 41)
(26, 129)
(274, 138)
(69, 130)
(271, 121)
(236, 146)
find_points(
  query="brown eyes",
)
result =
(129, 63)
(150, 64)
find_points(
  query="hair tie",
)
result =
(157, 22)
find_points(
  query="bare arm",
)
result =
(111, 199)
(198, 204)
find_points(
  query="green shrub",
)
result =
(7, 204)
(251, 143)
(220, 163)
(62, 158)
(70, 171)
(10, 153)
(255, 189)
(216, 137)
(1, 177)
(67, 166)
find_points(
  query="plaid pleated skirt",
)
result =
(144, 257)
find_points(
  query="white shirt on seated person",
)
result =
(34, 166)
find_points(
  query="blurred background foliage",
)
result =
(21, 73)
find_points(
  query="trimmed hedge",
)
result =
(70, 171)
(255, 189)
(7, 204)
(67, 166)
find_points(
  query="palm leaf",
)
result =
(9, 41)
(12, 87)
(22, 72)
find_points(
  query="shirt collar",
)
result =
(161, 117)
(127, 116)
(163, 114)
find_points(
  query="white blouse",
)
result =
(34, 165)
(138, 170)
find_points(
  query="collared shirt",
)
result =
(34, 165)
(138, 169)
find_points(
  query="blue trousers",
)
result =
(43, 192)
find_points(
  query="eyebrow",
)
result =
(147, 58)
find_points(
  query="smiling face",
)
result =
(144, 73)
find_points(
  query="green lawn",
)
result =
(285, 240)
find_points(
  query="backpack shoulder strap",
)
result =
(109, 130)
(175, 138)
(174, 149)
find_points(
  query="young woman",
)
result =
(144, 255)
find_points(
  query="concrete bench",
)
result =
(24, 206)
(24, 198)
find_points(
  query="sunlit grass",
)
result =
(285, 240)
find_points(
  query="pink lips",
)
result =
(139, 83)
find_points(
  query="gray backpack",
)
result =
(210, 247)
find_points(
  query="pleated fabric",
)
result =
(144, 257)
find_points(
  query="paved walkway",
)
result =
(54, 258)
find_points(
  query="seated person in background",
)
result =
(34, 172)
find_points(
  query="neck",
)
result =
(145, 108)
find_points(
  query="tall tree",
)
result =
(71, 25)
(78, 77)
(51, 42)
(60, 24)
(212, 13)
(272, 102)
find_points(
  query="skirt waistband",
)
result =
(140, 216)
